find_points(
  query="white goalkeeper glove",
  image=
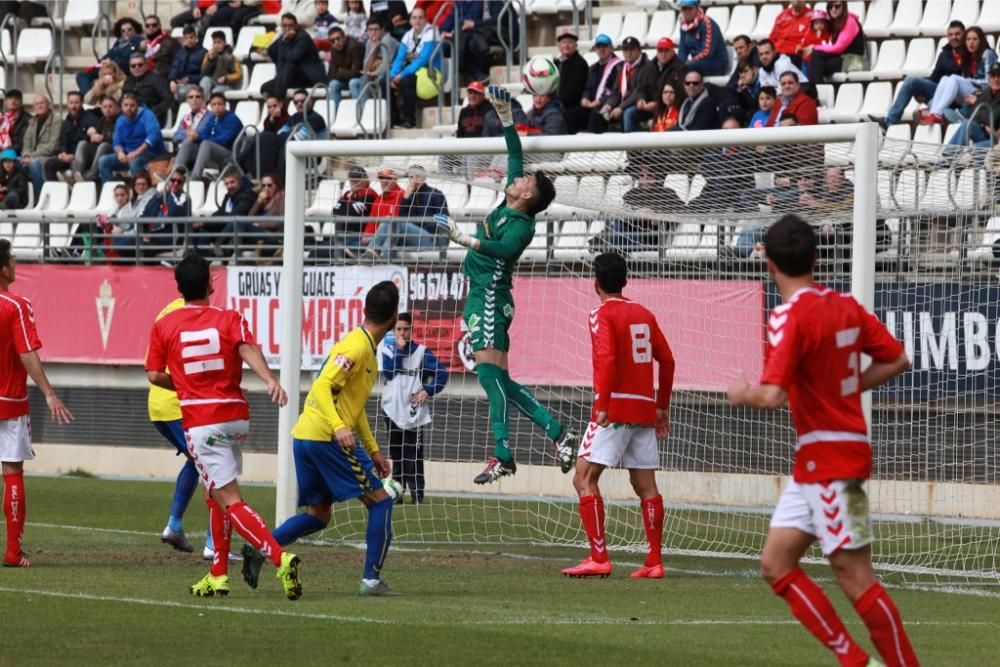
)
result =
(500, 98)
(454, 233)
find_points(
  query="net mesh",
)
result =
(691, 223)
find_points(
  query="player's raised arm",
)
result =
(500, 99)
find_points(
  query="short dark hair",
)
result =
(382, 302)
(15, 92)
(337, 28)
(956, 24)
(137, 55)
(214, 95)
(405, 317)
(611, 272)
(4, 253)
(189, 30)
(763, 42)
(791, 244)
(193, 276)
(74, 93)
(788, 115)
(791, 73)
(289, 16)
(743, 38)
(218, 34)
(546, 192)
(109, 97)
(131, 95)
(769, 90)
(374, 20)
(232, 170)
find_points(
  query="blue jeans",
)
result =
(749, 237)
(37, 174)
(401, 235)
(968, 131)
(109, 164)
(335, 88)
(631, 118)
(912, 87)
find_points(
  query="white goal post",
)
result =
(864, 136)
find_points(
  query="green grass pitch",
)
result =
(104, 591)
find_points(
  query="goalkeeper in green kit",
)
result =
(489, 309)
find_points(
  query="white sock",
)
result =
(370, 583)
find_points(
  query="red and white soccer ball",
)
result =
(540, 76)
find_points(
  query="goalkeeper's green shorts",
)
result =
(488, 314)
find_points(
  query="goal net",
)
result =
(905, 234)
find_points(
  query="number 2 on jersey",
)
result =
(852, 383)
(642, 350)
(200, 344)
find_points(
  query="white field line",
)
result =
(951, 588)
(542, 619)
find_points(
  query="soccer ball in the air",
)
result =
(392, 487)
(540, 76)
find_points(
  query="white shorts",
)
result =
(15, 439)
(835, 512)
(631, 445)
(215, 449)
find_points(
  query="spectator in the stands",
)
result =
(599, 84)
(41, 141)
(473, 37)
(949, 61)
(323, 20)
(128, 234)
(212, 141)
(726, 171)
(14, 121)
(702, 47)
(158, 47)
(188, 123)
(137, 140)
(573, 72)
(128, 39)
(698, 111)
(415, 227)
(296, 59)
(773, 65)
(173, 202)
(667, 109)
(355, 20)
(546, 116)
(766, 98)
(13, 181)
(640, 231)
(305, 11)
(745, 50)
(436, 11)
(264, 235)
(746, 88)
(74, 130)
(351, 212)
(99, 134)
(220, 68)
(471, 125)
(977, 60)
(151, 89)
(380, 50)
(793, 100)
(238, 201)
(845, 52)
(275, 118)
(386, 204)
(205, 14)
(789, 27)
(110, 81)
(622, 83)
(186, 69)
(392, 15)
(981, 127)
(413, 54)
(347, 56)
(818, 33)
(304, 115)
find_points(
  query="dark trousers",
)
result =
(408, 99)
(823, 65)
(406, 449)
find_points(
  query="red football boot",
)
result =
(20, 560)
(648, 572)
(588, 568)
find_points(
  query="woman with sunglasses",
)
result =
(847, 42)
(128, 34)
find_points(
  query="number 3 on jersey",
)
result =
(201, 344)
(642, 349)
(852, 383)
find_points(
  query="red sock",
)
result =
(812, 608)
(14, 509)
(885, 627)
(222, 532)
(652, 521)
(254, 530)
(592, 513)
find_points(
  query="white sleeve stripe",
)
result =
(20, 312)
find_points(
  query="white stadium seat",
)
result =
(52, 200)
(906, 21)
(848, 106)
(346, 123)
(82, 12)
(34, 45)
(879, 18)
(326, 197)
(878, 98)
(245, 41)
(891, 55)
(741, 21)
(966, 11)
(635, 24)
(765, 21)
(720, 15)
(106, 202)
(82, 200)
(571, 243)
(248, 111)
(934, 22)
(661, 25)
(989, 18)
(920, 56)
(895, 148)
(261, 74)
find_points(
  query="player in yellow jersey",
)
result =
(330, 464)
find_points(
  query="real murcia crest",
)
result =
(105, 302)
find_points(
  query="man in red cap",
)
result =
(663, 69)
(471, 121)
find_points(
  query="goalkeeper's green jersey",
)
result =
(504, 234)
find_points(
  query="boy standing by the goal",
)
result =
(628, 416)
(815, 341)
(19, 343)
(205, 348)
(489, 308)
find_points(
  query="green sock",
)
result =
(532, 409)
(491, 379)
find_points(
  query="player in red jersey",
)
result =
(628, 416)
(815, 340)
(18, 359)
(204, 348)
